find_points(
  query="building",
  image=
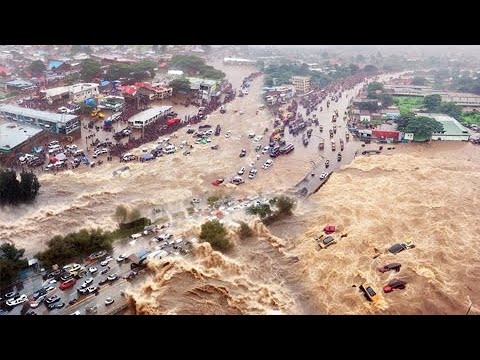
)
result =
(386, 135)
(19, 85)
(76, 93)
(14, 136)
(301, 84)
(365, 115)
(148, 116)
(452, 129)
(238, 61)
(153, 92)
(205, 87)
(4, 71)
(56, 123)
(175, 73)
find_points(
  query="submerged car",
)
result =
(389, 267)
(325, 242)
(394, 284)
(395, 249)
(369, 292)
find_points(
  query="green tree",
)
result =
(195, 66)
(285, 205)
(37, 67)
(353, 68)
(90, 69)
(432, 102)
(215, 233)
(121, 214)
(373, 87)
(370, 68)
(11, 263)
(134, 214)
(423, 127)
(404, 119)
(245, 231)
(180, 84)
(419, 81)
(451, 109)
(29, 186)
(13, 192)
(262, 210)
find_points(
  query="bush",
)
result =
(245, 230)
(212, 199)
(262, 210)
(215, 233)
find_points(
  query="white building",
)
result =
(452, 129)
(301, 83)
(148, 116)
(76, 93)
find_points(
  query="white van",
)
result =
(170, 149)
(135, 236)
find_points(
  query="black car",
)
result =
(39, 293)
(82, 291)
(52, 299)
(393, 266)
(204, 126)
(243, 153)
(103, 281)
(395, 249)
(54, 274)
(190, 131)
(104, 271)
(218, 130)
(258, 148)
(66, 276)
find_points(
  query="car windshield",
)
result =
(328, 240)
(370, 291)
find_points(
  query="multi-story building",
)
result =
(301, 84)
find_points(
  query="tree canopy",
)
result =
(11, 263)
(37, 67)
(215, 233)
(13, 191)
(90, 69)
(432, 102)
(195, 66)
(423, 127)
(138, 71)
(180, 84)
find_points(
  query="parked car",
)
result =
(394, 284)
(92, 269)
(52, 299)
(241, 171)
(218, 182)
(106, 261)
(92, 289)
(121, 258)
(112, 277)
(323, 175)
(252, 173)
(17, 300)
(237, 180)
(102, 281)
(389, 267)
(67, 284)
(243, 152)
(87, 282)
(369, 292)
(109, 301)
(267, 164)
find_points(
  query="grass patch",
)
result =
(163, 219)
(408, 103)
(178, 215)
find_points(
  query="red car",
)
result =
(394, 284)
(67, 284)
(217, 182)
(329, 229)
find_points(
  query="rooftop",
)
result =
(149, 113)
(194, 81)
(450, 125)
(37, 114)
(12, 134)
(20, 83)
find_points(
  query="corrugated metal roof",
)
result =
(149, 113)
(37, 114)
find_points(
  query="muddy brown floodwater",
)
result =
(423, 192)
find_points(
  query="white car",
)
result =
(241, 171)
(100, 152)
(127, 132)
(50, 289)
(121, 257)
(258, 138)
(237, 180)
(265, 150)
(92, 289)
(195, 201)
(106, 261)
(17, 301)
(26, 157)
(323, 175)
(267, 164)
(252, 173)
(92, 269)
(87, 282)
(109, 301)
